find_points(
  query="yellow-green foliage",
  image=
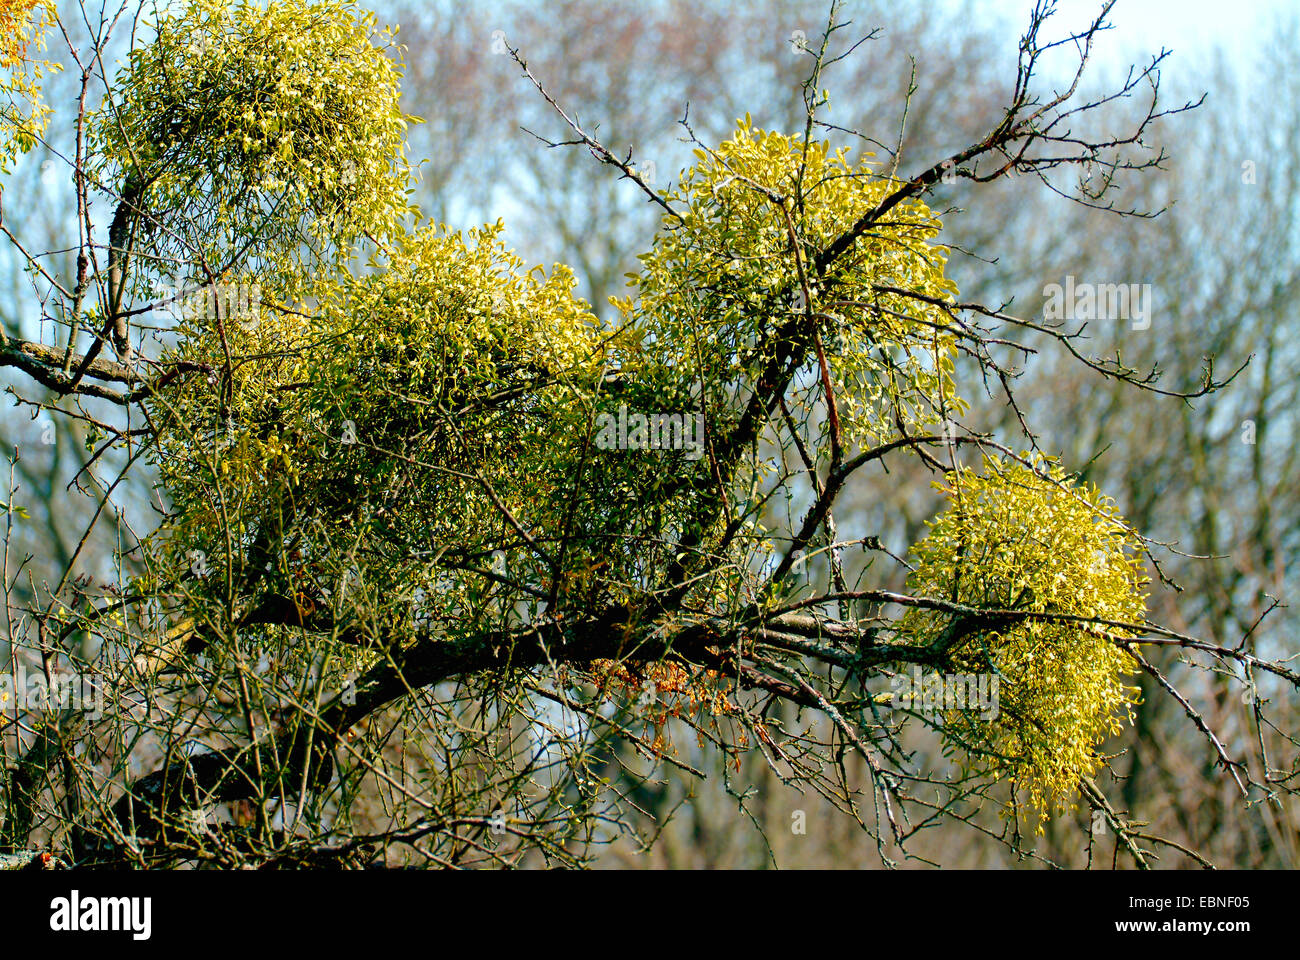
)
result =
(730, 274)
(255, 122)
(1035, 540)
(378, 414)
(23, 117)
(399, 424)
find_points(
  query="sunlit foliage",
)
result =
(1035, 541)
(740, 264)
(267, 135)
(23, 117)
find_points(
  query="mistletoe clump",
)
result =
(742, 263)
(380, 435)
(1057, 555)
(23, 117)
(245, 127)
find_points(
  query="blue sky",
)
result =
(1185, 26)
